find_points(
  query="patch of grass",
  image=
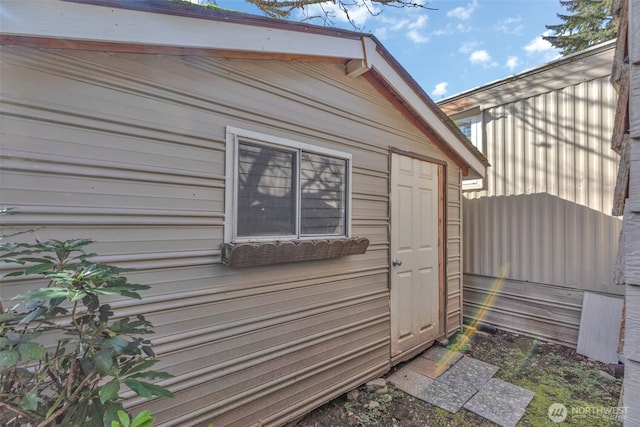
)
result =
(556, 379)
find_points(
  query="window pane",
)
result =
(465, 127)
(323, 194)
(266, 195)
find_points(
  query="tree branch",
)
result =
(16, 411)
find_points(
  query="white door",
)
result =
(415, 275)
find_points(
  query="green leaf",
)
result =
(14, 274)
(78, 296)
(143, 419)
(17, 337)
(86, 365)
(137, 366)
(29, 402)
(111, 409)
(119, 345)
(31, 351)
(56, 404)
(33, 315)
(147, 390)
(8, 359)
(109, 390)
(4, 342)
(34, 303)
(124, 418)
(48, 293)
(152, 375)
(104, 361)
(148, 351)
(39, 268)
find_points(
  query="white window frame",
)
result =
(475, 123)
(233, 137)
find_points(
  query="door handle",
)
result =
(396, 262)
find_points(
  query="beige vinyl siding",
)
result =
(129, 150)
(454, 251)
(544, 216)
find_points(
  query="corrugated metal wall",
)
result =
(129, 150)
(544, 217)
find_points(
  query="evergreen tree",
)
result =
(589, 23)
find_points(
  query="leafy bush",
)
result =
(77, 380)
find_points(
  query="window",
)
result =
(471, 127)
(284, 190)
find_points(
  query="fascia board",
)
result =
(85, 22)
(387, 72)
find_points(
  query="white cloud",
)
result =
(440, 89)
(512, 62)
(540, 46)
(463, 13)
(511, 26)
(415, 30)
(419, 23)
(463, 28)
(482, 57)
(467, 47)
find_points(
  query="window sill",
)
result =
(268, 253)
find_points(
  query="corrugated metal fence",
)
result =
(544, 216)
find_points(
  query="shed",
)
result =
(290, 193)
(538, 229)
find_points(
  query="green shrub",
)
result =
(79, 379)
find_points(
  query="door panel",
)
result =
(415, 295)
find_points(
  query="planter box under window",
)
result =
(266, 253)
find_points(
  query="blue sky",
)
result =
(460, 45)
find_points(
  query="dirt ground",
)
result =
(556, 374)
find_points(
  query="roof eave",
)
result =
(125, 27)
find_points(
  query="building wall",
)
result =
(129, 150)
(543, 221)
(631, 248)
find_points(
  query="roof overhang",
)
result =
(589, 64)
(143, 27)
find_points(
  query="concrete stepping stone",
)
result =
(410, 381)
(472, 372)
(500, 402)
(456, 386)
(428, 368)
(435, 361)
(448, 396)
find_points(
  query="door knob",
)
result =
(396, 262)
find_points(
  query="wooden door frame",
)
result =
(443, 290)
